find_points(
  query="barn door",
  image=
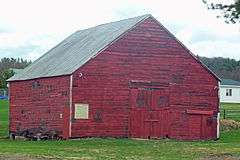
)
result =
(140, 103)
(149, 113)
(159, 113)
(202, 125)
(208, 127)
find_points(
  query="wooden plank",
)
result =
(189, 111)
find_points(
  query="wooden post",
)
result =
(224, 114)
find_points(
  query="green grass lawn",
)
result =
(232, 111)
(88, 149)
(3, 118)
(231, 106)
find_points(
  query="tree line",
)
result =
(223, 67)
(5, 68)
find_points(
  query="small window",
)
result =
(177, 78)
(141, 100)
(35, 85)
(81, 111)
(228, 92)
(162, 101)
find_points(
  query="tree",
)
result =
(6, 63)
(224, 67)
(230, 12)
(6, 72)
(4, 76)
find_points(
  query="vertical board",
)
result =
(195, 126)
(66, 120)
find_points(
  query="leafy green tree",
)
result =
(4, 76)
(230, 12)
(223, 67)
(6, 63)
(6, 72)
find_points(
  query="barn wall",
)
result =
(146, 53)
(107, 97)
(39, 103)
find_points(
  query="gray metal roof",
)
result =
(230, 82)
(15, 70)
(80, 47)
(76, 50)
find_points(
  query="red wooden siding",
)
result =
(146, 54)
(40, 106)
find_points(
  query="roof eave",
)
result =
(36, 78)
(229, 85)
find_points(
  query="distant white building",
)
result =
(230, 91)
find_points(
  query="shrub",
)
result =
(228, 125)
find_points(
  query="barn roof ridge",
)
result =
(143, 16)
(82, 45)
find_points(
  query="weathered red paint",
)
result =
(143, 85)
(39, 107)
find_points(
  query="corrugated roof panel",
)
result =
(76, 50)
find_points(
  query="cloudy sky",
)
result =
(29, 28)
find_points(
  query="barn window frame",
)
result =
(229, 92)
(140, 100)
(35, 85)
(81, 111)
(162, 101)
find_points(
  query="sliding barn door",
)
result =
(149, 112)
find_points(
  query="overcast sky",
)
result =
(29, 28)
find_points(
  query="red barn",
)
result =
(130, 78)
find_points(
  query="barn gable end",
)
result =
(146, 57)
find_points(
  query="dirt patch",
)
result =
(23, 157)
(221, 157)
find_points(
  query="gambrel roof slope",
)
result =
(77, 49)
